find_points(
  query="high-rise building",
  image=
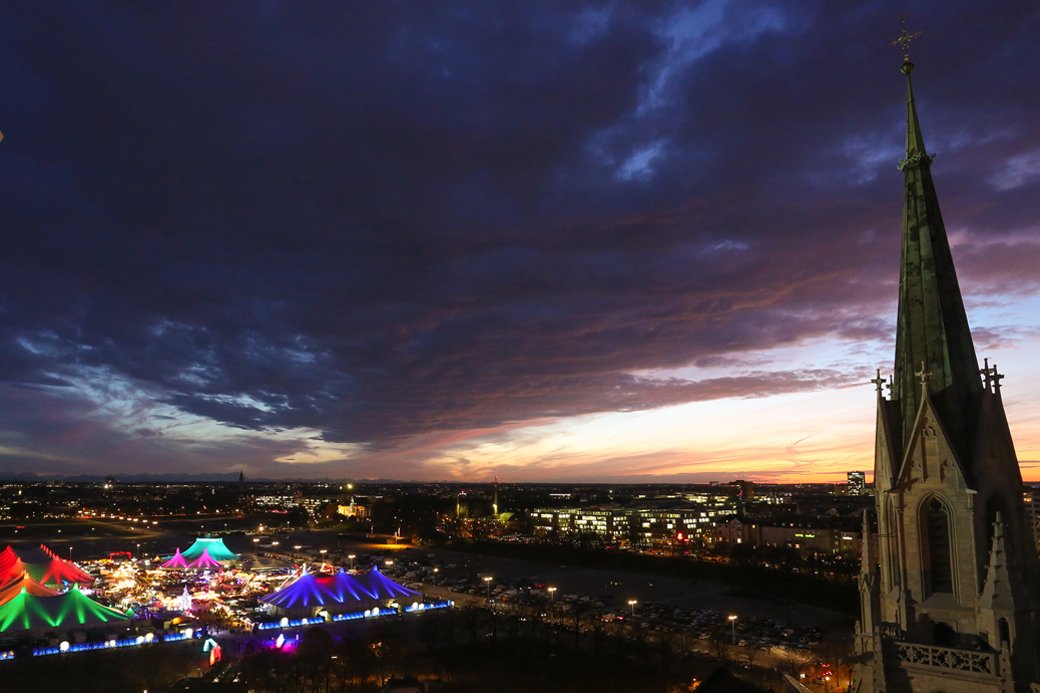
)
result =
(857, 485)
(948, 597)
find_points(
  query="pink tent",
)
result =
(176, 561)
(204, 562)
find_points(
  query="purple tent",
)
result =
(304, 591)
(339, 590)
(381, 587)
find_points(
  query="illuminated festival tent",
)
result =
(214, 546)
(176, 561)
(42, 564)
(57, 572)
(11, 571)
(13, 588)
(341, 590)
(29, 612)
(374, 582)
(205, 562)
(37, 554)
(305, 591)
(7, 556)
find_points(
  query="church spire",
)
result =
(932, 328)
(914, 140)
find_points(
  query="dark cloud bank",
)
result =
(383, 220)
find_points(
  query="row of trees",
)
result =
(466, 649)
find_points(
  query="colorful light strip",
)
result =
(270, 625)
(109, 644)
(352, 616)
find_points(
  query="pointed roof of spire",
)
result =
(914, 139)
(866, 562)
(996, 592)
(932, 328)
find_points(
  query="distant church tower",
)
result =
(948, 598)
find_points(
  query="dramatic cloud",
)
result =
(376, 240)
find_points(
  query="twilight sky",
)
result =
(544, 240)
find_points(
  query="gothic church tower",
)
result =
(948, 598)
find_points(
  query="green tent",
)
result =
(215, 547)
(27, 612)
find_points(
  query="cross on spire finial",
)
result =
(987, 374)
(878, 381)
(923, 374)
(996, 376)
(905, 38)
(991, 377)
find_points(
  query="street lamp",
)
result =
(732, 618)
(632, 605)
(487, 582)
(552, 593)
(351, 557)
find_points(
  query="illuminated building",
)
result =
(352, 510)
(639, 525)
(857, 483)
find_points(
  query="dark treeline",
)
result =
(800, 587)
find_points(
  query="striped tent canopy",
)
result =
(374, 582)
(42, 565)
(214, 546)
(28, 612)
(176, 561)
(13, 588)
(304, 591)
(341, 589)
(205, 562)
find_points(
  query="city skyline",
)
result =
(600, 243)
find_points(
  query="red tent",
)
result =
(10, 570)
(42, 564)
(13, 588)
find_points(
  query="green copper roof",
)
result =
(932, 328)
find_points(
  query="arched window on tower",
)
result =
(938, 568)
(1005, 631)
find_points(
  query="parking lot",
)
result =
(653, 607)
